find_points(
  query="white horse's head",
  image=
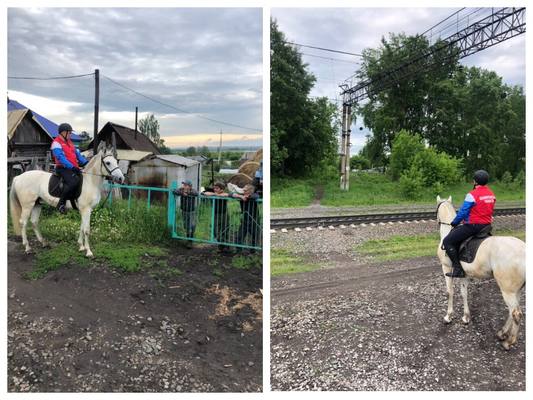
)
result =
(445, 210)
(109, 165)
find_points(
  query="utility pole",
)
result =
(345, 143)
(136, 113)
(220, 149)
(96, 108)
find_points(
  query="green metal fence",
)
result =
(224, 221)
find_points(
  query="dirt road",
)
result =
(96, 329)
(380, 327)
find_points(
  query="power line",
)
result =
(324, 49)
(180, 109)
(329, 58)
(49, 78)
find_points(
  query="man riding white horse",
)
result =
(476, 212)
(68, 161)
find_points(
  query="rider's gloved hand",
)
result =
(454, 224)
(76, 169)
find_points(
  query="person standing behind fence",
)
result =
(221, 215)
(188, 198)
(250, 223)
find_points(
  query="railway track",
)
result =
(315, 222)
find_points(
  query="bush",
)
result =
(520, 179)
(359, 162)
(412, 184)
(404, 149)
(429, 169)
(507, 179)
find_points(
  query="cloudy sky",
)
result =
(206, 62)
(352, 30)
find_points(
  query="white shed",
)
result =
(161, 169)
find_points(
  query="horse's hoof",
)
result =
(501, 335)
(45, 245)
(82, 248)
(466, 319)
(447, 319)
(89, 254)
(506, 346)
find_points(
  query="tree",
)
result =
(405, 147)
(150, 127)
(407, 103)
(303, 132)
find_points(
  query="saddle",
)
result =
(55, 187)
(468, 248)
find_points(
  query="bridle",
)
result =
(438, 220)
(102, 163)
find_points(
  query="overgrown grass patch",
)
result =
(291, 192)
(367, 189)
(405, 247)
(129, 257)
(246, 262)
(64, 254)
(124, 257)
(283, 262)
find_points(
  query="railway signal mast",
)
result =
(501, 25)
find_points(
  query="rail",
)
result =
(369, 219)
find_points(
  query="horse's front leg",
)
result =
(81, 238)
(464, 293)
(449, 289)
(85, 230)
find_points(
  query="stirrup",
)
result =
(457, 272)
(62, 209)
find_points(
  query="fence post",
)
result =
(212, 236)
(171, 213)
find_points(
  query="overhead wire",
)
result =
(180, 109)
(48, 78)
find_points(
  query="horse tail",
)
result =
(15, 208)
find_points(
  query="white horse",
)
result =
(501, 257)
(29, 187)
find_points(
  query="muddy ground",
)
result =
(99, 330)
(379, 326)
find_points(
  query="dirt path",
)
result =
(95, 329)
(379, 327)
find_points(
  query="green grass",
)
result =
(405, 247)
(291, 193)
(124, 257)
(246, 262)
(282, 263)
(372, 189)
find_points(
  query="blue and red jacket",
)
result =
(477, 208)
(65, 154)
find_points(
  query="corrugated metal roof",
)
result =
(13, 120)
(49, 126)
(175, 159)
(140, 143)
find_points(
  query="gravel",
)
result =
(328, 245)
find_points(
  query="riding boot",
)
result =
(458, 271)
(61, 207)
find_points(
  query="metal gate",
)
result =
(223, 221)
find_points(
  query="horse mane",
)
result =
(92, 161)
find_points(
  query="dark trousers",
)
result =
(189, 222)
(221, 228)
(71, 180)
(459, 234)
(249, 225)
